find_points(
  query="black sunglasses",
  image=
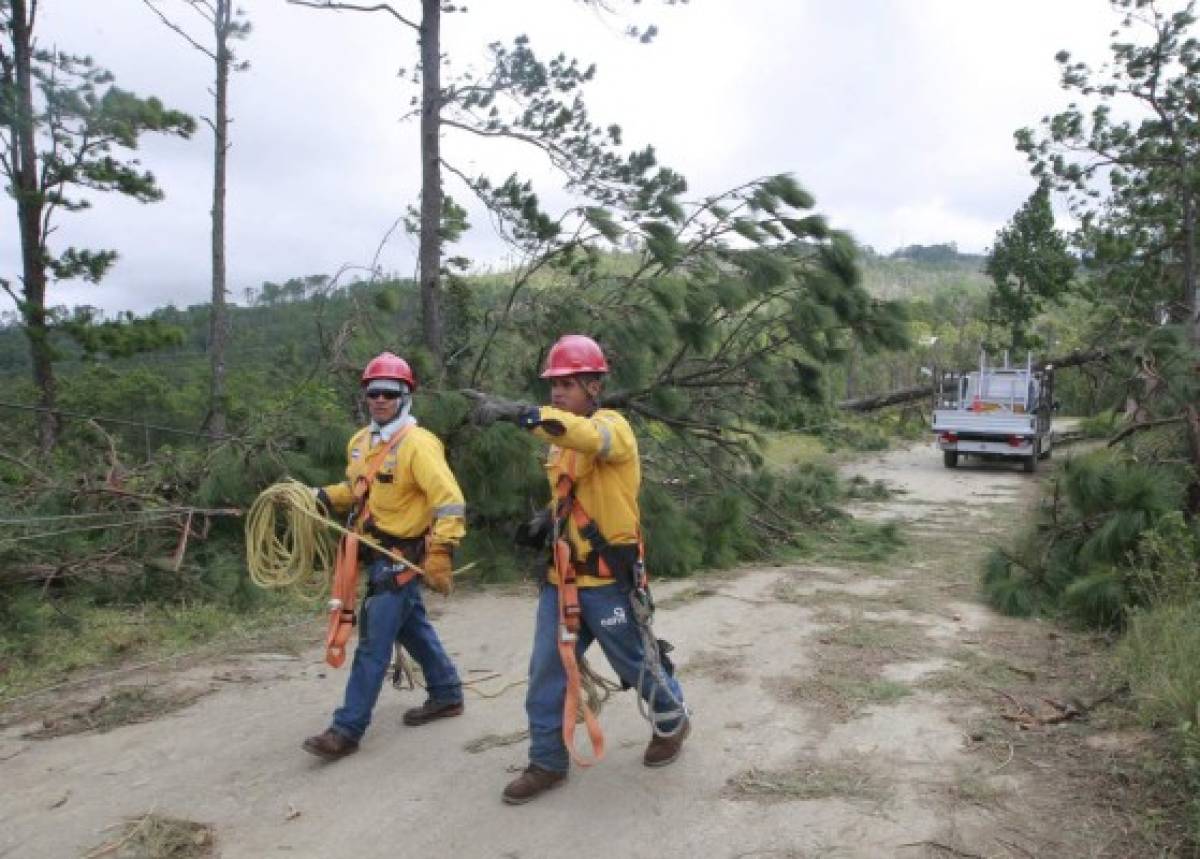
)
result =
(387, 395)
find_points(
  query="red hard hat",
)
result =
(385, 365)
(574, 353)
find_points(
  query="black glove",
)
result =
(324, 505)
(536, 532)
(489, 409)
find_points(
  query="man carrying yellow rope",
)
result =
(399, 492)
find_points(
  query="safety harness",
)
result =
(569, 615)
(567, 506)
(342, 617)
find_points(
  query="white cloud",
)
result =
(897, 114)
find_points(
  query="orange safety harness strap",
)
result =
(344, 591)
(568, 630)
(569, 611)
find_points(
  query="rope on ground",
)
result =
(132, 518)
(107, 526)
(29, 407)
(132, 515)
(405, 671)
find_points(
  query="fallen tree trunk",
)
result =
(892, 398)
(920, 392)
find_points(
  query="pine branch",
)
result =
(149, 4)
(354, 7)
(1144, 425)
(559, 157)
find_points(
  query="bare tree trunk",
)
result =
(852, 372)
(218, 325)
(29, 218)
(1190, 285)
(1018, 336)
(430, 252)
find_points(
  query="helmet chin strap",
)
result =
(401, 413)
(593, 401)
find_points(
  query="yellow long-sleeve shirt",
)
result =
(413, 491)
(601, 453)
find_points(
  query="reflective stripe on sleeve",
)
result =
(605, 440)
(449, 510)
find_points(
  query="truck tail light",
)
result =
(949, 437)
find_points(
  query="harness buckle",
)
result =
(565, 634)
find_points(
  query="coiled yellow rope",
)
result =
(287, 543)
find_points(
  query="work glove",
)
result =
(438, 564)
(535, 533)
(324, 505)
(489, 409)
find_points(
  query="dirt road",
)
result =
(840, 710)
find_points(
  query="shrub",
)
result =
(1093, 553)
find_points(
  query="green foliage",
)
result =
(1102, 425)
(673, 540)
(1121, 153)
(1030, 266)
(65, 125)
(500, 474)
(1160, 655)
(1096, 552)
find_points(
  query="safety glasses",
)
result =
(386, 395)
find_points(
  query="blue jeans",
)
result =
(607, 617)
(387, 617)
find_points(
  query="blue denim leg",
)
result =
(607, 618)
(420, 639)
(547, 688)
(380, 621)
(387, 617)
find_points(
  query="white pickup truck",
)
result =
(995, 413)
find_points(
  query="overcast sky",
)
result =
(897, 114)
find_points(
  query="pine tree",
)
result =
(69, 107)
(521, 98)
(1030, 266)
(226, 25)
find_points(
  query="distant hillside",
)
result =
(923, 271)
(286, 316)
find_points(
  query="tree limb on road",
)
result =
(918, 392)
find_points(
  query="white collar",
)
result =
(388, 430)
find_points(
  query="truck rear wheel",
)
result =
(950, 458)
(1031, 463)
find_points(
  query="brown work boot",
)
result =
(534, 781)
(330, 745)
(431, 710)
(664, 750)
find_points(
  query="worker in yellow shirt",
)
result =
(595, 475)
(416, 509)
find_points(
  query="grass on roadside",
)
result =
(157, 836)
(63, 636)
(124, 705)
(848, 778)
(849, 541)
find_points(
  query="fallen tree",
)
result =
(918, 392)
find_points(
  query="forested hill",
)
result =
(294, 315)
(923, 271)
